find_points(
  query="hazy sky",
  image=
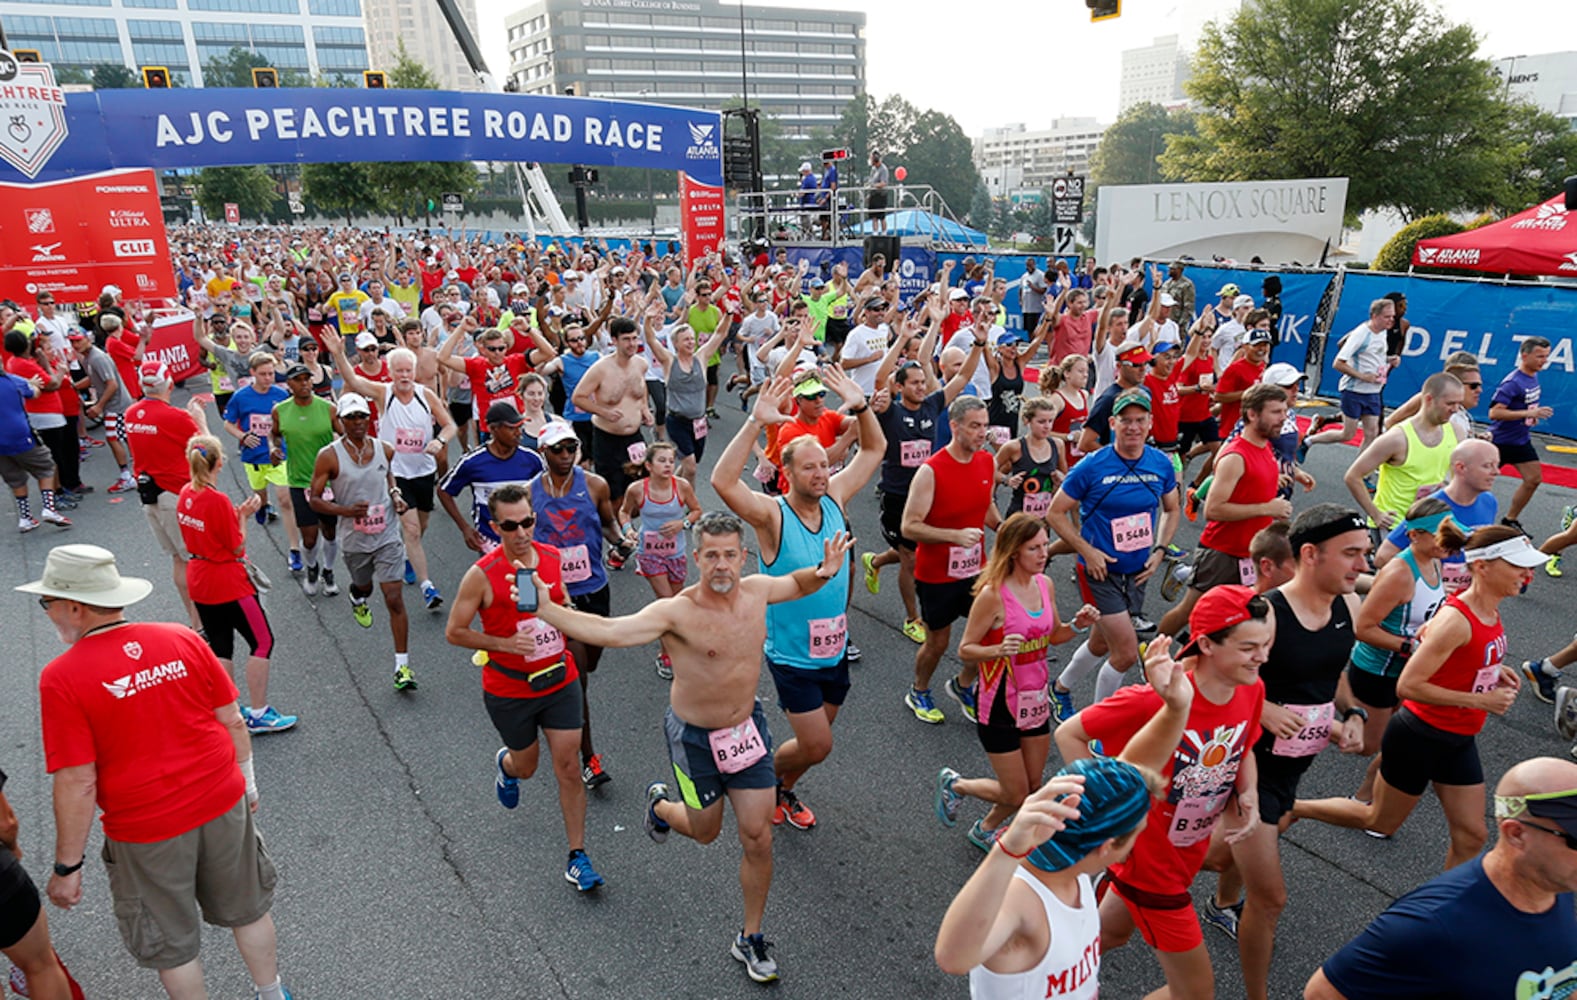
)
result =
(1034, 60)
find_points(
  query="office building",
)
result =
(1154, 74)
(803, 66)
(311, 37)
(427, 37)
(1548, 81)
(1013, 160)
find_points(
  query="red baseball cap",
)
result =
(1220, 608)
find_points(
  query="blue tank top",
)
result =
(575, 369)
(656, 513)
(571, 524)
(1405, 619)
(812, 632)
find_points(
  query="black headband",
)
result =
(1330, 529)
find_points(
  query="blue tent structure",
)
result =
(915, 222)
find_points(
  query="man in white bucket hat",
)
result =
(140, 719)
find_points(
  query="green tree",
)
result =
(71, 74)
(941, 155)
(1540, 152)
(405, 189)
(114, 76)
(982, 210)
(341, 189)
(1383, 92)
(1130, 149)
(1397, 254)
(234, 69)
(251, 188)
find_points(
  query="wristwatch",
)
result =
(1355, 710)
(64, 870)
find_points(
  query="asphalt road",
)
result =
(402, 877)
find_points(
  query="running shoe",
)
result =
(54, 517)
(1513, 524)
(1303, 451)
(295, 561)
(1566, 712)
(711, 412)
(93, 442)
(873, 576)
(1142, 624)
(946, 800)
(1191, 505)
(983, 838)
(592, 773)
(655, 828)
(1552, 568)
(1568, 515)
(1543, 684)
(82, 488)
(309, 585)
(792, 811)
(269, 721)
(282, 990)
(1376, 834)
(1223, 918)
(404, 680)
(431, 597)
(261, 516)
(1062, 704)
(924, 709)
(665, 667)
(915, 630)
(964, 696)
(410, 574)
(752, 951)
(580, 873)
(330, 588)
(507, 788)
(124, 484)
(273, 515)
(362, 612)
(1173, 551)
(26, 524)
(852, 652)
(615, 558)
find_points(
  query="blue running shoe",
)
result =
(261, 517)
(1062, 704)
(410, 574)
(655, 828)
(924, 709)
(581, 874)
(964, 696)
(508, 788)
(295, 561)
(947, 801)
(1223, 918)
(1544, 684)
(1173, 552)
(983, 838)
(268, 721)
(431, 597)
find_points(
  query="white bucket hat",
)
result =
(87, 573)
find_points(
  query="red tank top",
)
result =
(961, 500)
(505, 673)
(1070, 413)
(1196, 405)
(1474, 666)
(1260, 482)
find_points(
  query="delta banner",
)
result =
(185, 128)
(1300, 298)
(700, 217)
(73, 237)
(1489, 319)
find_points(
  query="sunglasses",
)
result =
(1472, 385)
(1571, 841)
(45, 602)
(510, 527)
(559, 449)
(810, 395)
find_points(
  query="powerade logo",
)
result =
(703, 143)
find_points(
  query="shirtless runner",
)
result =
(718, 739)
(613, 391)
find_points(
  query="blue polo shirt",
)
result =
(1109, 487)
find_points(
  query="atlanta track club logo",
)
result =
(32, 114)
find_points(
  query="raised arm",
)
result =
(728, 475)
(847, 482)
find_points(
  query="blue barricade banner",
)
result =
(227, 127)
(1489, 319)
(1300, 297)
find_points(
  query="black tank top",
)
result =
(1304, 667)
(1037, 475)
(1002, 408)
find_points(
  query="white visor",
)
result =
(1518, 551)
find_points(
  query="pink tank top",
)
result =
(1020, 681)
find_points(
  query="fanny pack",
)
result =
(147, 490)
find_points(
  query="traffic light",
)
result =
(263, 76)
(155, 78)
(376, 79)
(1104, 10)
(580, 175)
(26, 55)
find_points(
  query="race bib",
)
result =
(1454, 576)
(1206, 380)
(314, 315)
(912, 454)
(575, 563)
(655, 543)
(226, 384)
(997, 436)
(737, 747)
(1311, 739)
(828, 636)
(1247, 574)
(1033, 708)
(765, 473)
(546, 641)
(1487, 679)
(1037, 504)
(1195, 818)
(1132, 533)
(410, 440)
(963, 563)
(637, 452)
(374, 521)
(698, 429)
(261, 424)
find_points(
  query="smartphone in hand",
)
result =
(525, 590)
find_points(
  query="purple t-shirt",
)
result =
(1517, 391)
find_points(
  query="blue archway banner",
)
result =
(208, 127)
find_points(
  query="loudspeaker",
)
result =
(888, 246)
(1571, 194)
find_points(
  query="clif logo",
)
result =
(134, 248)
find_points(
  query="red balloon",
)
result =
(901, 173)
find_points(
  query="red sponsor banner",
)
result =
(174, 342)
(74, 237)
(700, 217)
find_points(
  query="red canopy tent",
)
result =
(1539, 241)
